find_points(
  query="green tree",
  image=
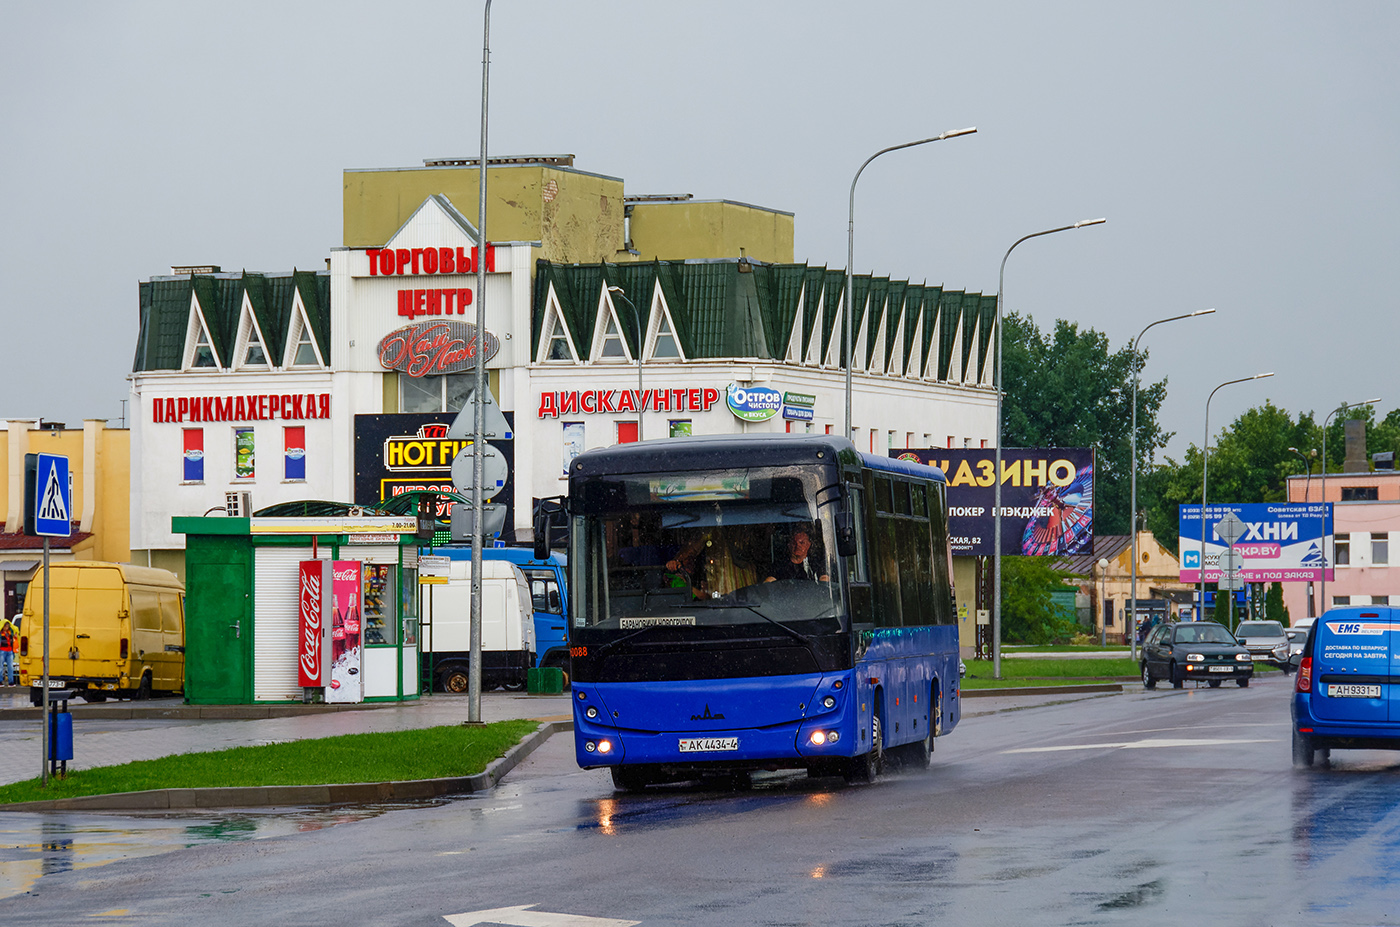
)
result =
(1028, 614)
(1066, 388)
(1274, 609)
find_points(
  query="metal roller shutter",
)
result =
(275, 676)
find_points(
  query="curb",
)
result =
(1041, 690)
(196, 712)
(286, 795)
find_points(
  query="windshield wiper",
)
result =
(806, 641)
(626, 637)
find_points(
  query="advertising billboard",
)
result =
(397, 453)
(1047, 498)
(1282, 542)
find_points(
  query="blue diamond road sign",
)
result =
(53, 498)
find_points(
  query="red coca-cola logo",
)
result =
(435, 348)
(311, 611)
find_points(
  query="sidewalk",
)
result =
(107, 734)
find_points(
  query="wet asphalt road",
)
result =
(1171, 807)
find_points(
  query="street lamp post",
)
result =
(1205, 453)
(851, 250)
(637, 321)
(996, 472)
(1341, 408)
(1103, 594)
(479, 400)
(1132, 504)
(1307, 468)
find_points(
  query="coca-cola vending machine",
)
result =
(346, 679)
(314, 625)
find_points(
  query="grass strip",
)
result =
(1055, 672)
(427, 753)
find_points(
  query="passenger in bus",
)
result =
(710, 563)
(797, 563)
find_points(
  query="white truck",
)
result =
(507, 628)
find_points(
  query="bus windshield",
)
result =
(707, 549)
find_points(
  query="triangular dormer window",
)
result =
(662, 342)
(248, 349)
(794, 350)
(301, 346)
(556, 346)
(609, 347)
(199, 347)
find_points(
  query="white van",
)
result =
(507, 627)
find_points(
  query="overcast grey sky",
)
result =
(1247, 156)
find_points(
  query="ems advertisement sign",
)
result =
(1047, 498)
(753, 403)
(1282, 541)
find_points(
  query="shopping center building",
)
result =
(608, 318)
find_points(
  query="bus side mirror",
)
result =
(845, 534)
(542, 536)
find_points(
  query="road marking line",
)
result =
(522, 916)
(1145, 745)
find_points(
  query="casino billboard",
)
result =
(1047, 498)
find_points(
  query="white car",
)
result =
(1266, 642)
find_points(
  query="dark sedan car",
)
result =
(1194, 650)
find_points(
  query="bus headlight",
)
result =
(828, 702)
(818, 738)
(604, 746)
(591, 713)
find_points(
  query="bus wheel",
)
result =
(143, 691)
(866, 768)
(630, 778)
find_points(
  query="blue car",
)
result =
(1347, 694)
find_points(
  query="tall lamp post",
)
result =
(996, 474)
(1205, 454)
(851, 250)
(1341, 408)
(637, 321)
(1307, 468)
(1132, 503)
(1103, 594)
(478, 399)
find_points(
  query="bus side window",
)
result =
(856, 566)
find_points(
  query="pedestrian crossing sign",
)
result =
(53, 497)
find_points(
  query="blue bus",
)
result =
(757, 602)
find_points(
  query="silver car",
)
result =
(1266, 642)
(1297, 637)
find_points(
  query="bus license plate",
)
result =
(1350, 690)
(1222, 669)
(708, 744)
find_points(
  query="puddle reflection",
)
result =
(33, 845)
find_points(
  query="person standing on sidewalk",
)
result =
(9, 637)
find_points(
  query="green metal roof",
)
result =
(721, 311)
(165, 312)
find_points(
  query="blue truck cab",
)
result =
(1347, 693)
(549, 594)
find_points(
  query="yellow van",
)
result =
(114, 630)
